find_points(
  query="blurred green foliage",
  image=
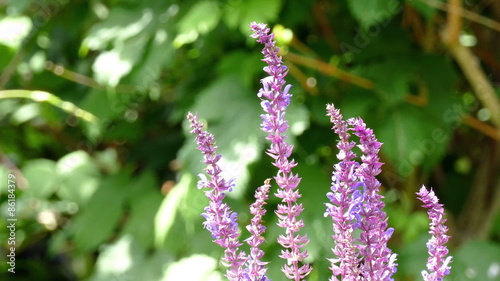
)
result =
(92, 106)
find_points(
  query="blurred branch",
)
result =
(330, 70)
(420, 100)
(302, 78)
(482, 127)
(63, 72)
(465, 14)
(454, 23)
(477, 78)
(319, 10)
(478, 214)
(468, 62)
(40, 96)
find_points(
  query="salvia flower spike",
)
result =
(256, 267)
(275, 98)
(438, 264)
(361, 232)
(219, 219)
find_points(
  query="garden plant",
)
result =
(355, 205)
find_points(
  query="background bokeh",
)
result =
(93, 99)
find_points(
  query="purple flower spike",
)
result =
(256, 268)
(219, 219)
(379, 261)
(342, 208)
(275, 98)
(438, 263)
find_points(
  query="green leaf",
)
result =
(128, 31)
(391, 79)
(79, 177)
(409, 138)
(241, 13)
(412, 258)
(314, 186)
(201, 18)
(42, 178)
(369, 13)
(172, 209)
(100, 216)
(25, 113)
(13, 31)
(476, 261)
(145, 199)
(248, 65)
(205, 269)
(120, 25)
(237, 131)
(125, 259)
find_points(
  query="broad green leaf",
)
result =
(102, 104)
(246, 64)
(237, 131)
(391, 80)
(241, 13)
(172, 210)
(409, 138)
(412, 258)
(376, 12)
(120, 25)
(476, 261)
(314, 186)
(97, 220)
(117, 260)
(25, 113)
(111, 66)
(125, 259)
(145, 199)
(79, 177)
(160, 54)
(13, 31)
(201, 18)
(183, 269)
(42, 178)
(129, 32)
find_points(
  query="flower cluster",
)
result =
(274, 101)
(438, 262)
(355, 203)
(360, 228)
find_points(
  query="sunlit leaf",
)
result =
(97, 220)
(42, 178)
(79, 177)
(183, 269)
(241, 13)
(376, 12)
(201, 18)
(144, 200)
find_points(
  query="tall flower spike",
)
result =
(343, 206)
(438, 263)
(219, 219)
(379, 261)
(256, 269)
(275, 100)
